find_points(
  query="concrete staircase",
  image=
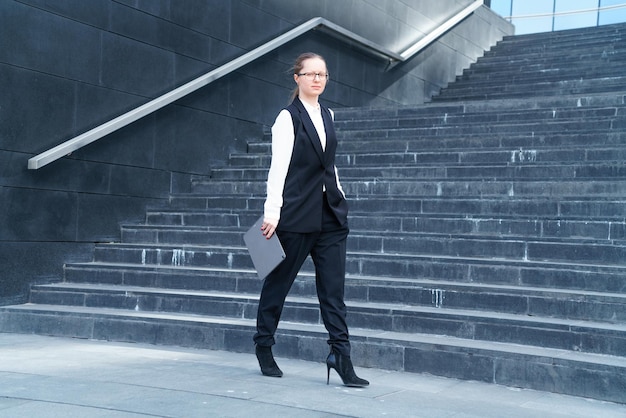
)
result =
(488, 235)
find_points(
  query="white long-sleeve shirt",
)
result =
(282, 148)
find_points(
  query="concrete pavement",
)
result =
(61, 377)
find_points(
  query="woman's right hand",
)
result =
(269, 227)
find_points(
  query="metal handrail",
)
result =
(119, 122)
(440, 30)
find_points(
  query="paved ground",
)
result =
(60, 377)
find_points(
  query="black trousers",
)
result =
(328, 252)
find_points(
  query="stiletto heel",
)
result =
(327, 373)
(266, 362)
(343, 366)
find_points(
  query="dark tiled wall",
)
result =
(67, 66)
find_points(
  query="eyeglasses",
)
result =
(311, 76)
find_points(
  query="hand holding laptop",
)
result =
(266, 253)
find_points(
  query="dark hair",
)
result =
(297, 67)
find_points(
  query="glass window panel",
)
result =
(547, 22)
(530, 7)
(612, 15)
(502, 7)
(575, 20)
(532, 24)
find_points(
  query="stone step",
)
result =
(605, 35)
(441, 241)
(395, 154)
(153, 254)
(422, 139)
(409, 119)
(570, 35)
(514, 79)
(553, 43)
(467, 137)
(434, 108)
(540, 206)
(408, 140)
(572, 276)
(581, 56)
(454, 158)
(513, 126)
(404, 228)
(558, 42)
(560, 275)
(398, 155)
(383, 198)
(420, 291)
(606, 252)
(389, 250)
(543, 368)
(524, 76)
(519, 300)
(504, 226)
(518, 90)
(539, 71)
(519, 171)
(532, 61)
(169, 276)
(343, 114)
(569, 333)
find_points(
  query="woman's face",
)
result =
(311, 89)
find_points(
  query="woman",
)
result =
(307, 209)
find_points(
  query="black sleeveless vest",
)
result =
(310, 169)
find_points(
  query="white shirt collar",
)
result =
(309, 108)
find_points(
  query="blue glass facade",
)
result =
(530, 16)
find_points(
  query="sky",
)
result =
(519, 8)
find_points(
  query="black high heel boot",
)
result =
(343, 366)
(267, 362)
